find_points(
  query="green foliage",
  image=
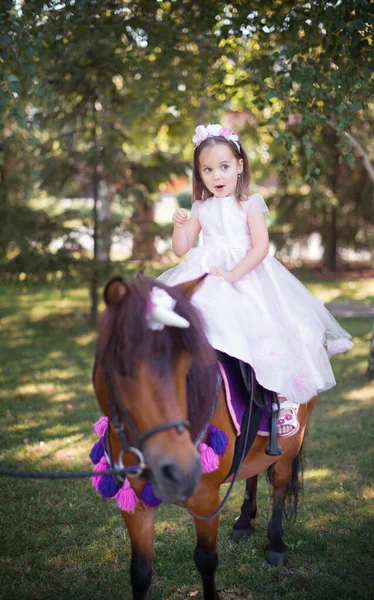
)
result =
(184, 199)
(106, 92)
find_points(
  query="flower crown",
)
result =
(202, 133)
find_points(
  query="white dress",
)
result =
(267, 318)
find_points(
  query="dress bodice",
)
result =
(224, 220)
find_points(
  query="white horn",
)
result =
(165, 316)
(161, 311)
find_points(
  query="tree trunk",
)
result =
(104, 239)
(143, 231)
(331, 244)
(94, 271)
(371, 358)
(340, 173)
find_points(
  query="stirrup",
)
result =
(273, 449)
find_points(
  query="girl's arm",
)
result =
(185, 232)
(260, 249)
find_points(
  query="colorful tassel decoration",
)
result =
(148, 497)
(107, 486)
(217, 440)
(98, 451)
(209, 459)
(126, 497)
(102, 465)
(101, 426)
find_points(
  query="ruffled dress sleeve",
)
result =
(195, 210)
(255, 205)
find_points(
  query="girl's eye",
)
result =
(224, 167)
(207, 170)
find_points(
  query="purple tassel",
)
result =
(148, 497)
(97, 451)
(107, 486)
(217, 440)
(102, 465)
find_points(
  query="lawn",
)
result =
(59, 541)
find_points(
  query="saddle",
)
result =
(241, 386)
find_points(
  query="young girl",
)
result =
(253, 308)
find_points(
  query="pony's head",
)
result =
(151, 343)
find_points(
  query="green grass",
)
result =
(59, 541)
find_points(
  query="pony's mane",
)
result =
(125, 339)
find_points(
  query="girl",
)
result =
(253, 308)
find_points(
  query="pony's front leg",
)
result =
(206, 557)
(140, 526)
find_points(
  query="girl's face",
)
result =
(219, 170)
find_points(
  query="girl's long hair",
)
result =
(199, 190)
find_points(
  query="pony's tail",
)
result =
(294, 487)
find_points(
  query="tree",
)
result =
(137, 76)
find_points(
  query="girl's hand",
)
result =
(180, 217)
(218, 272)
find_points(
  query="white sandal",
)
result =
(291, 419)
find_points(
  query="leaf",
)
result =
(357, 106)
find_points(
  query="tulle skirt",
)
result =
(267, 319)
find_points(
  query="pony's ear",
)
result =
(114, 290)
(188, 288)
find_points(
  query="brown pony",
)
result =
(150, 371)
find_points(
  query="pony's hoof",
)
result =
(241, 534)
(276, 559)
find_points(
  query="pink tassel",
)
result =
(101, 426)
(126, 497)
(209, 459)
(102, 465)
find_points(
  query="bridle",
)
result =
(119, 415)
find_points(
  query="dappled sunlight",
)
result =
(352, 401)
(85, 338)
(342, 289)
(368, 494)
(55, 355)
(364, 395)
(318, 474)
(32, 389)
(63, 397)
(56, 452)
(56, 375)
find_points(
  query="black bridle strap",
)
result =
(116, 407)
(180, 425)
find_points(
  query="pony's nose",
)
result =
(178, 482)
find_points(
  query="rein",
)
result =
(120, 473)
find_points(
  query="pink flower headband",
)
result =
(202, 133)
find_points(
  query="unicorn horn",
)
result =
(161, 311)
(165, 316)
